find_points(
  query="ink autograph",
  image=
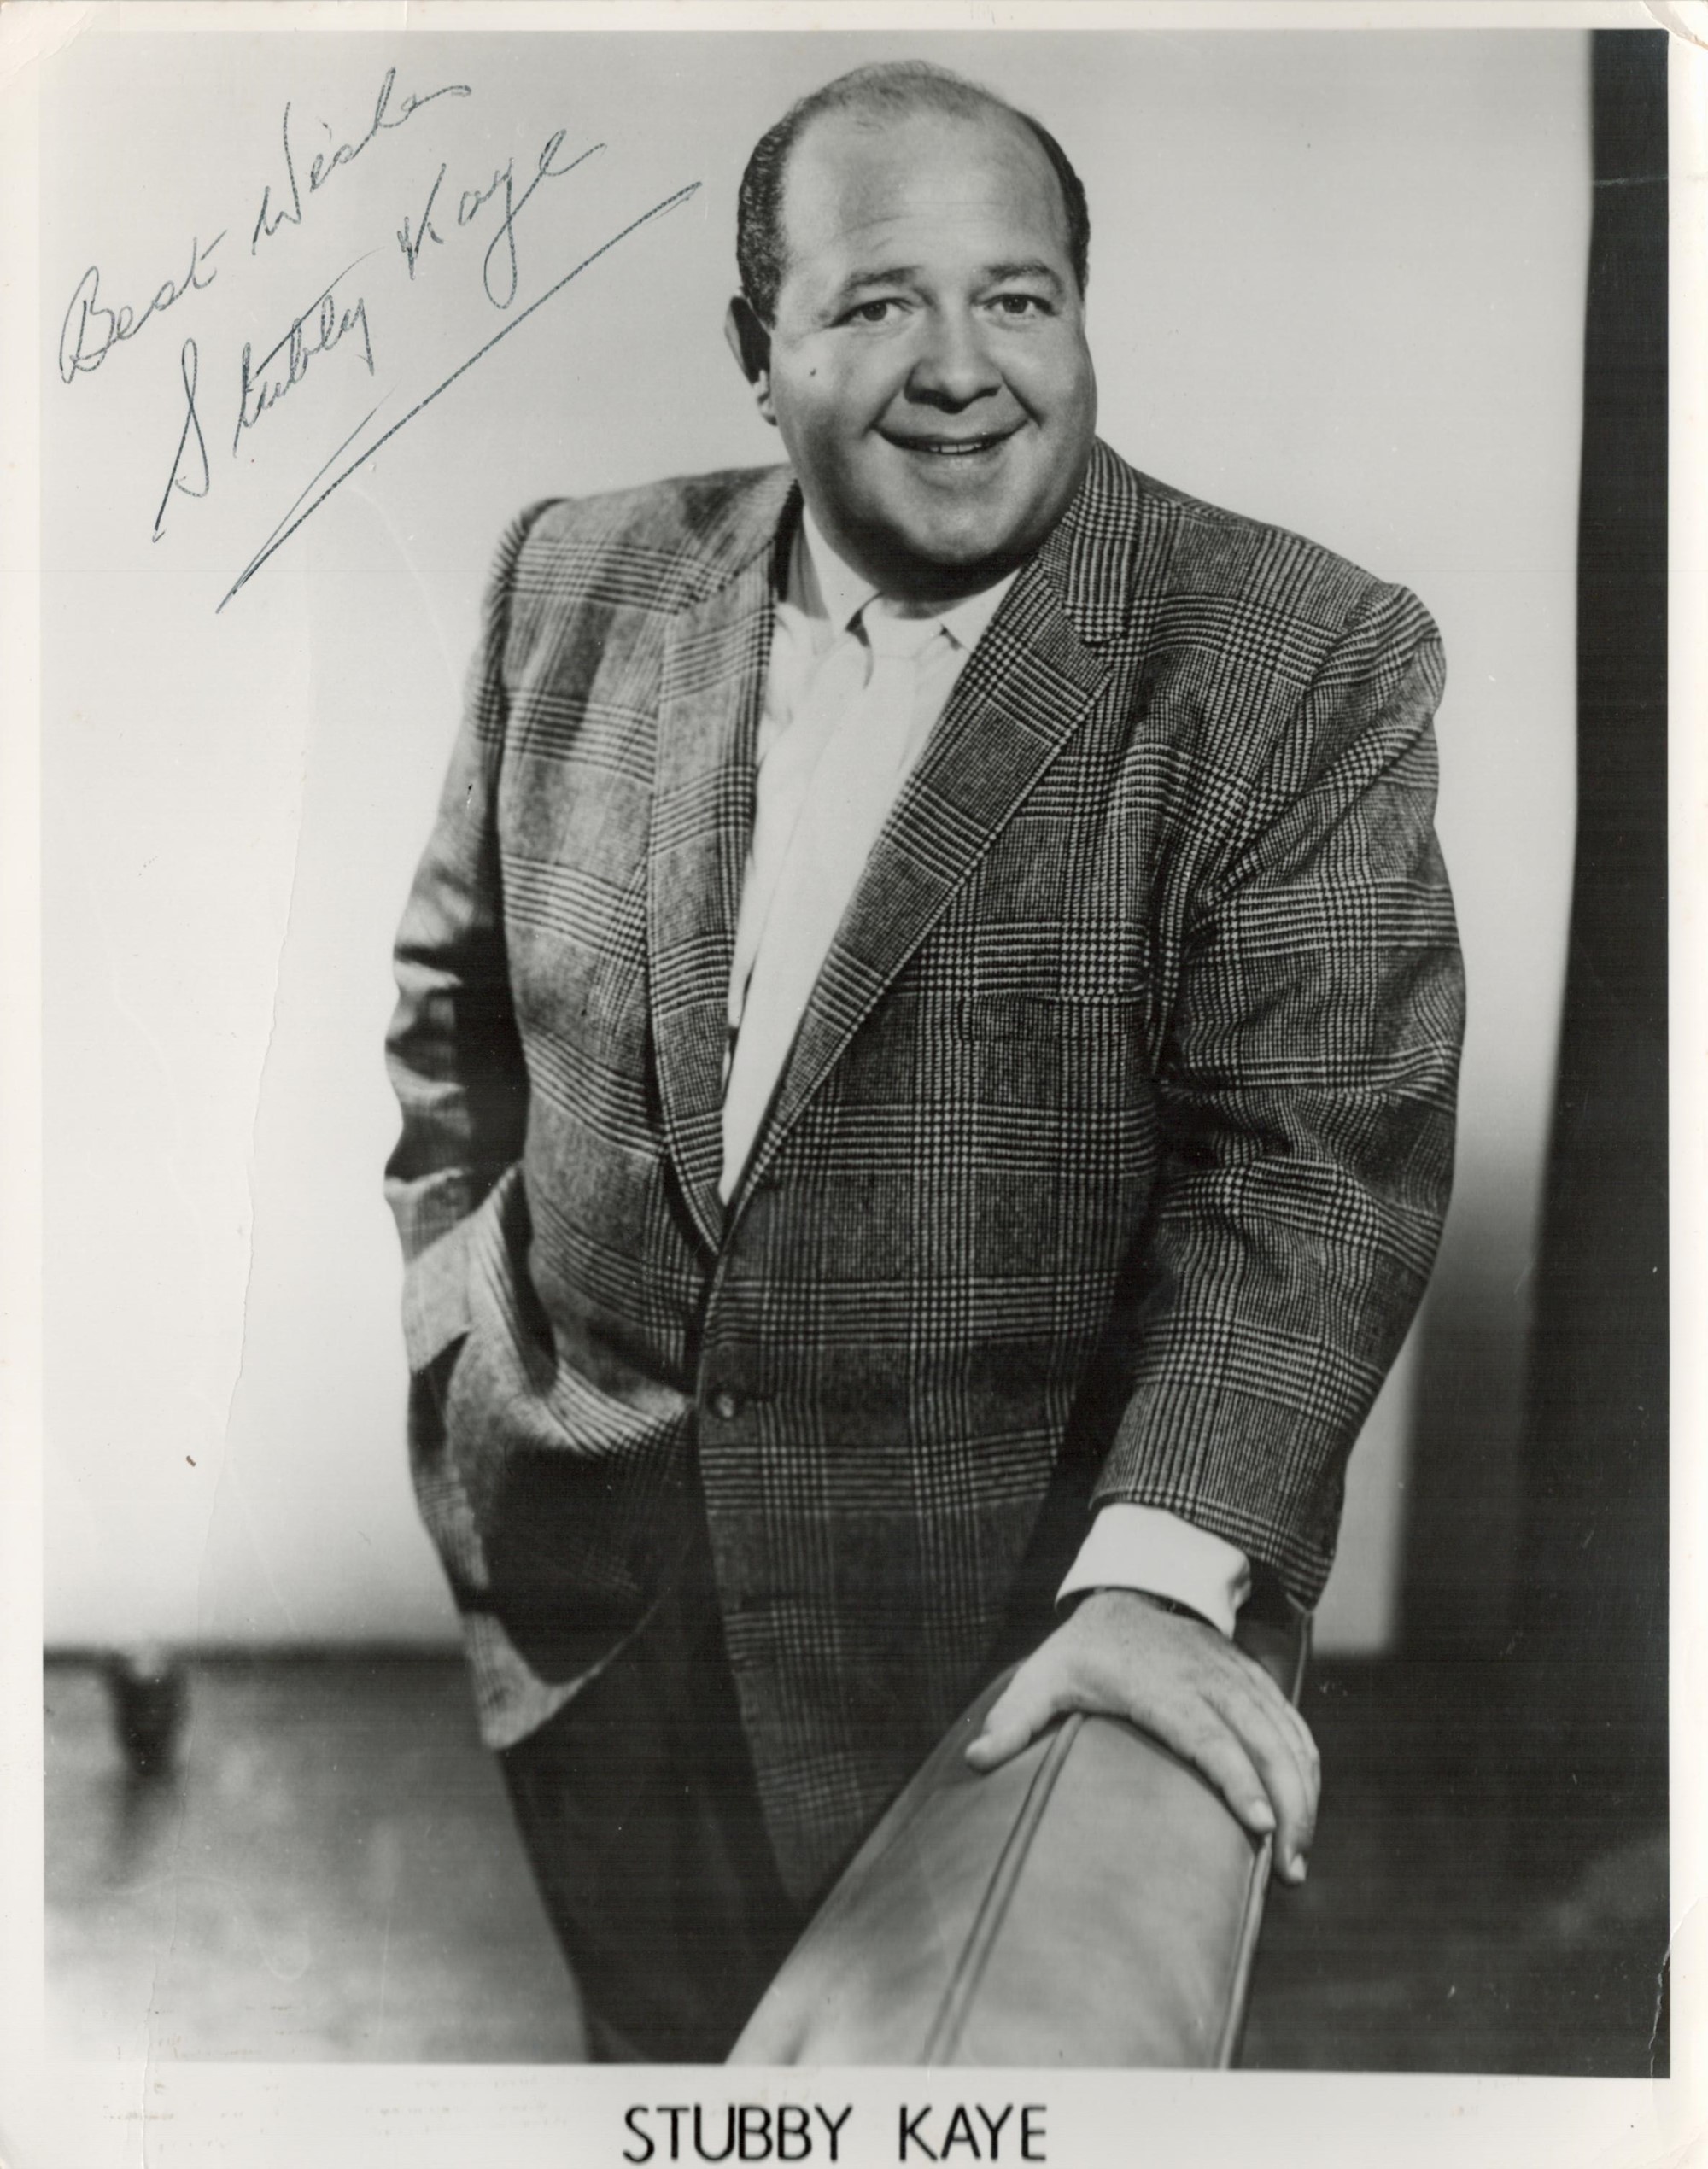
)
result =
(473, 200)
(338, 315)
(90, 330)
(322, 167)
(322, 326)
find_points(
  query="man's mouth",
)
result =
(951, 447)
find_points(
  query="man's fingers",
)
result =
(1287, 1781)
(1279, 1742)
(1300, 1731)
(1210, 1745)
(1232, 1723)
(1274, 1699)
(1198, 1694)
(1014, 1721)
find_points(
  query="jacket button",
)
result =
(725, 1406)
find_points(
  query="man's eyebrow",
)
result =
(1026, 268)
(879, 275)
(903, 274)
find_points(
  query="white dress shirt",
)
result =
(856, 686)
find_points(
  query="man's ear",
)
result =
(751, 344)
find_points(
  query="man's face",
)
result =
(928, 368)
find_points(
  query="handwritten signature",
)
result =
(323, 166)
(189, 472)
(89, 330)
(318, 489)
(339, 315)
(323, 325)
(412, 240)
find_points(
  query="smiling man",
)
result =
(919, 336)
(927, 1040)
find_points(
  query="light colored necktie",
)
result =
(818, 817)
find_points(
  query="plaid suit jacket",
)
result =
(1117, 1135)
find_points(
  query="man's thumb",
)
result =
(1013, 1722)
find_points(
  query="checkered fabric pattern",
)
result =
(1120, 1126)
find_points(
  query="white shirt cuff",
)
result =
(1148, 1549)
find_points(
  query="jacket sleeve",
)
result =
(452, 1050)
(1307, 1083)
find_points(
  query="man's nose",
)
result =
(952, 368)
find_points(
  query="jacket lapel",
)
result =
(715, 654)
(1023, 694)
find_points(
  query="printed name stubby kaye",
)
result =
(754, 2132)
(737, 2132)
(935, 2134)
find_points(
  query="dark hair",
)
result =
(884, 89)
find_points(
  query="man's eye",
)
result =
(877, 312)
(1019, 305)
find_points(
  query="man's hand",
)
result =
(1122, 1654)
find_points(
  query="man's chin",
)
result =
(929, 559)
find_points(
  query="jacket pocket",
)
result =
(440, 1495)
(569, 1498)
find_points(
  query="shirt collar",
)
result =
(824, 585)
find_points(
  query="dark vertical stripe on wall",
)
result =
(1588, 1662)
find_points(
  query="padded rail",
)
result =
(1091, 1903)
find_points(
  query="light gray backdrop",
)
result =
(1336, 282)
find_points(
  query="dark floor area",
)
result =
(1446, 1926)
(330, 1873)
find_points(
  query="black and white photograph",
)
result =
(845, 1303)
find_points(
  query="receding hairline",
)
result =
(881, 109)
(874, 97)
